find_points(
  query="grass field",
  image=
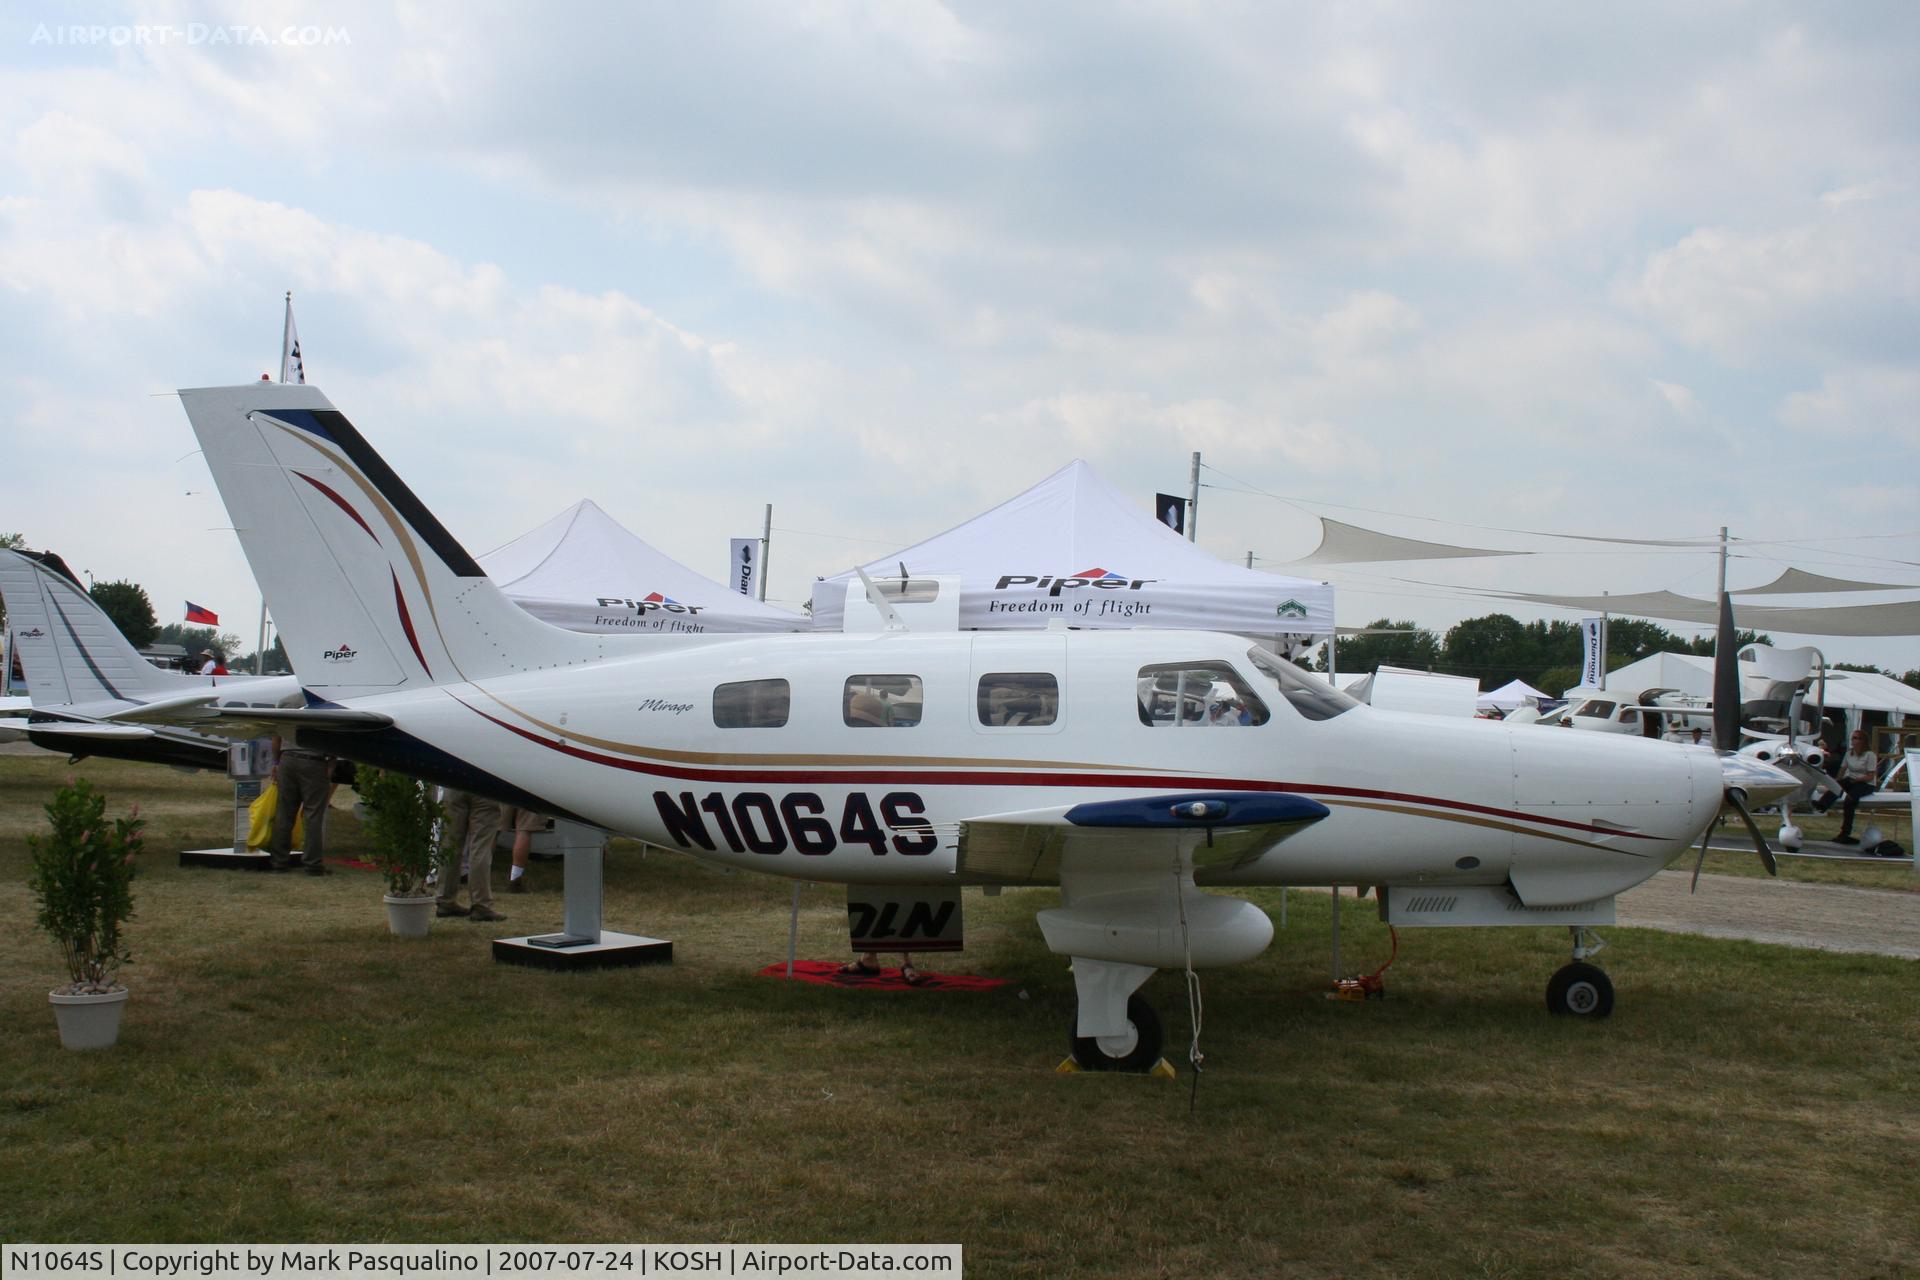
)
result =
(290, 1072)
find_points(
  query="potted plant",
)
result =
(401, 813)
(83, 883)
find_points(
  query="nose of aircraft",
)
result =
(1759, 782)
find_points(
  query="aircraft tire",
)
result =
(1146, 1050)
(1580, 990)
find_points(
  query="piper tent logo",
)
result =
(652, 602)
(1054, 584)
(1290, 609)
(33, 634)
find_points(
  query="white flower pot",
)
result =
(409, 917)
(90, 1020)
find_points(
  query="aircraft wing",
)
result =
(1219, 830)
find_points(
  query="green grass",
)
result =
(288, 1071)
(1817, 826)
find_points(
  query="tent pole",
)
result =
(766, 550)
(1604, 616)
(1193, 500)
(260, 650)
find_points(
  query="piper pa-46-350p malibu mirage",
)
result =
(915, 763)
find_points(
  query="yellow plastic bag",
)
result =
(260, 818)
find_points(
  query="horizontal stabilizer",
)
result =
(335, 719)
(180, 706)
(1219, 831)
(100, 729)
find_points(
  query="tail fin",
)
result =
(70, 650)
(369, 590)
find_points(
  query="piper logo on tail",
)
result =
(1053, 584)
(341, 654)
(652, 602)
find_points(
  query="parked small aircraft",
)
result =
(882, 760)
(94, 695)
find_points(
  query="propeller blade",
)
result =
(1726, 682)
(1701, 861)
(1760, 846)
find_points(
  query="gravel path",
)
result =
(1827, 917)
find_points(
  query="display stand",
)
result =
(582, 943)
(249, 764)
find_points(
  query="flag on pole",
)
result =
(1593, 667)
(291, 368)
(743, 554)
(205, 617)
(1170, 511)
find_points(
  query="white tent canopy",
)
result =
(1077, 550)
(584, 571)
(1510, 695)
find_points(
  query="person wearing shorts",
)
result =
(523, 823)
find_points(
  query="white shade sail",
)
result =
(1342, 543)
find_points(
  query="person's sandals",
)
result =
(859, 969)
(911, 976)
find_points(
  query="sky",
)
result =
(1466, 273)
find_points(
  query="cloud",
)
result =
(1845, 283)
(1872, 404)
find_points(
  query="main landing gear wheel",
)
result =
(1138, 1057)
(1580, 990)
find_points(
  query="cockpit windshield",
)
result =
(1311, 696)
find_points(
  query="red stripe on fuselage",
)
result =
(995, 778)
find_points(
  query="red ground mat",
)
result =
(827, 973)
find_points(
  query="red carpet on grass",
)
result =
(827, 973)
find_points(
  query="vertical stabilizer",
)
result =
(370, 592)
(69, 648)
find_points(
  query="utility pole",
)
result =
(766, 551)
(1723, 560)
(260, 650)
(1193, 500)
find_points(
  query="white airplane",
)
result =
(882, 761)
(93, 694)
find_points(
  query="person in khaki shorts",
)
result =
(471, 824)
(523, 823)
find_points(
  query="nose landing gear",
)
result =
(1579, 989)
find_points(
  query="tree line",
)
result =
(1498, 648)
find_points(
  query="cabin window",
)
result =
(1596, 709)
(1010, 698)
(1310, 695)
(882, 701)
(1197, 693)
(752, 704)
